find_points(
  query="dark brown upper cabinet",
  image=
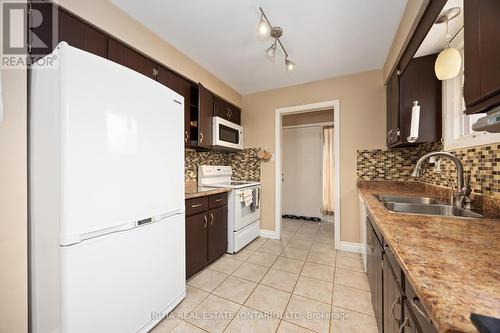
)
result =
(82, 36)
(205, 114)
(183, 88)
(127, 57)
(43, 32)
(392, 93)
(417, 83)
(227, 111)
(481, 55)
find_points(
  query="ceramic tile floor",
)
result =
(296, 284)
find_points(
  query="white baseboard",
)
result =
(267, 234)
(351, 247)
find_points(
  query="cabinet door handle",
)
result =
(370, 243)
(218, 200)
(206, 220)
(389, 136)
(419, 310)
(196, 205)
(402, 327)
(397, 301)
(186, 137)
(212, 219)
(201, 137)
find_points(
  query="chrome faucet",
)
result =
(460, 197)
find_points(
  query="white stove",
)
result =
(243, 204)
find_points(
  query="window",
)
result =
(457, 129)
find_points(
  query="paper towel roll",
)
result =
(415, 121)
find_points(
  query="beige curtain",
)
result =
(328, 171)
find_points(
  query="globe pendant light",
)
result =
(449, 61)
(448, 64)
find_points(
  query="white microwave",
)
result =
(226, 135)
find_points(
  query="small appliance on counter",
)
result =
(227, 136)
(243, 204)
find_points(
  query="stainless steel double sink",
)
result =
(423, 205)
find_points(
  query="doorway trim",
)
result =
(331, 104)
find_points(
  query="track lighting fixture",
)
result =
(265, 28)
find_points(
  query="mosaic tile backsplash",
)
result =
(245, 163)
(481, 163)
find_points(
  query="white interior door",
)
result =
(302, 163)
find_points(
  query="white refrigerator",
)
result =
(106, 197)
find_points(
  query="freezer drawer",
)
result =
(122, 282)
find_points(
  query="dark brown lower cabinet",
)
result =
(375, 274)
(395, 304)
(196, 243)
(392, 299)
(206, 231)
(217, 233)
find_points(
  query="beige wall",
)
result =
(413, 11)
(113, 20)
(314, 117)
(362, 126)
(13, 198)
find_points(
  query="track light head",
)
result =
(290, 65)
(271, 50)
(264, 28)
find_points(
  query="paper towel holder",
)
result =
(415, 122)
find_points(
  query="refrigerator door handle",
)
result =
(167, 215)
(71, 239)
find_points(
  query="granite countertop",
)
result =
(195, 191)
(452, 263)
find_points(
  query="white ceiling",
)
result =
(325, 38)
